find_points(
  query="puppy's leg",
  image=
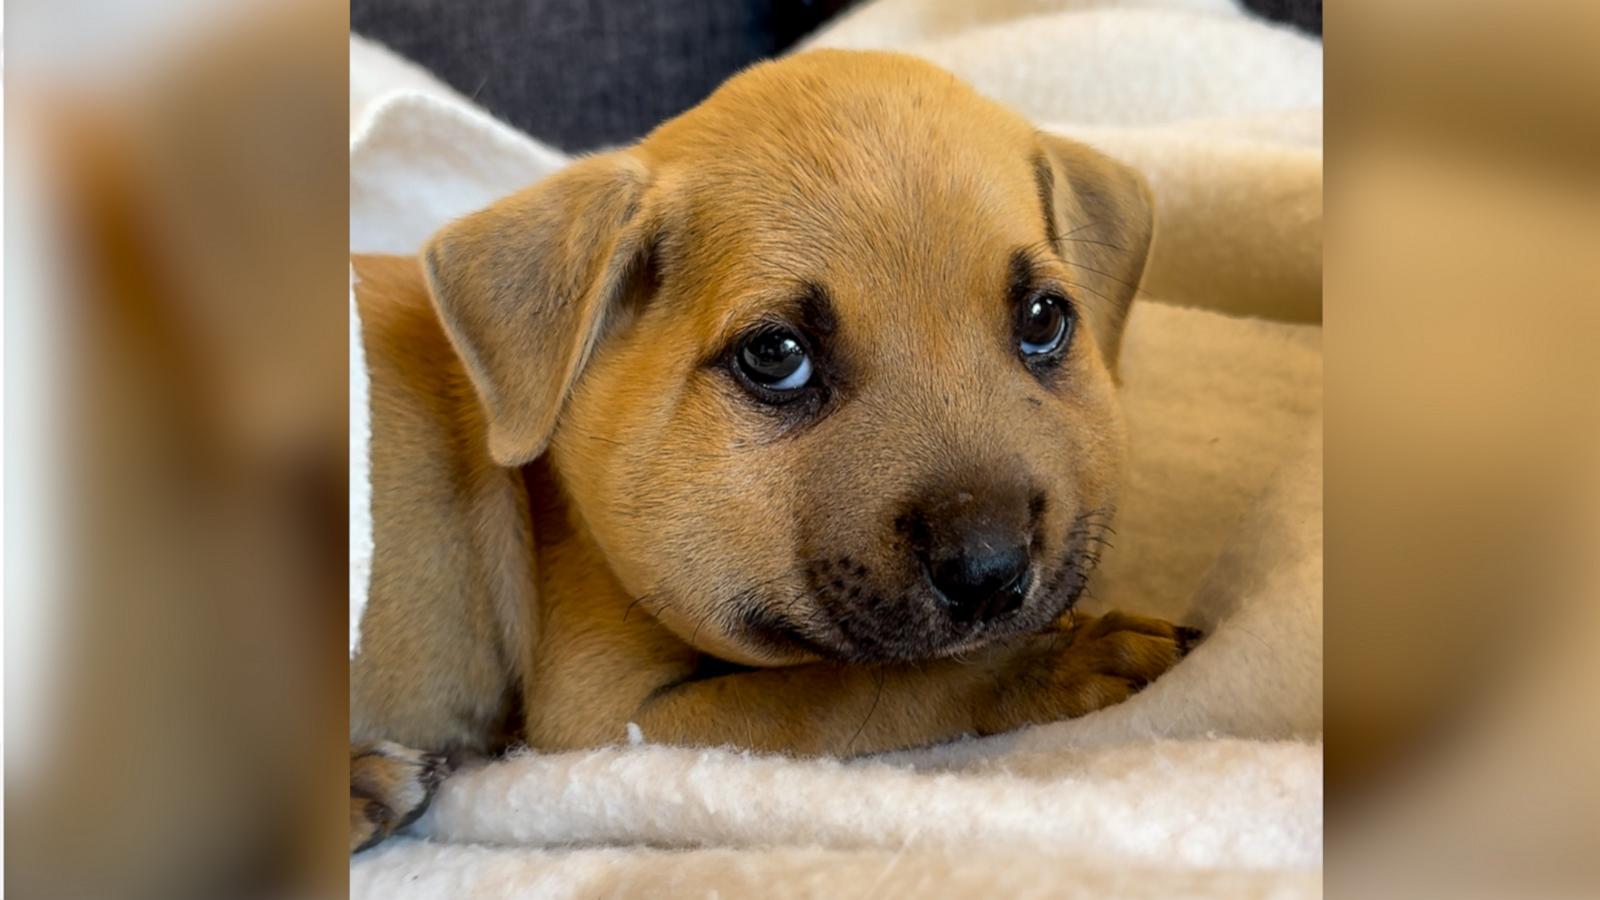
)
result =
(390, 786)
(446, 628)
(845, 710)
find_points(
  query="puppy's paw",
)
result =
(1136, 649)
(1083, 665)
(1092, 663)
(390, 786)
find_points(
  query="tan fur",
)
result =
(575, 507)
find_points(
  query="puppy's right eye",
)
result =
(774, 363)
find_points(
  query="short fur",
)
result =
(583, 521)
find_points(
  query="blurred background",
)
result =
(176, 425)
(583, 74)
(176, 418)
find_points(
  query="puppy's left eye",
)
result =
(774, 362)
(1044, 325)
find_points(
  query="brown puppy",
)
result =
(791, 427)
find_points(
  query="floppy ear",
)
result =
(526, 288)
(1100, 217)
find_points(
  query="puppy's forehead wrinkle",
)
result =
(1045, 181)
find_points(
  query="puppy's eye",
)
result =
(1044, 325)
(774, 361)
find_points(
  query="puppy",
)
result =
(792, 427)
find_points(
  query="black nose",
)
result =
(980, 580)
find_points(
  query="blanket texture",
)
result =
(1208, 783)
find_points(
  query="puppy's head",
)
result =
(823, 365)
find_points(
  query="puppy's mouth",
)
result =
(908, 628)
(778, 637)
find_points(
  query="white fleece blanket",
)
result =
(1208, 783)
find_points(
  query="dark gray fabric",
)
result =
(1305, 15)
(581, 74)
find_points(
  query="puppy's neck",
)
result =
(593, 632)
(572, 571)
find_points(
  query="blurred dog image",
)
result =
(792, 428)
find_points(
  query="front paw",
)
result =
(390, 786)
(1084, 664)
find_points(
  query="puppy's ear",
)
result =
(1100, 216)
(526, 288)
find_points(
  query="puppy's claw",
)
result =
(1188, 638)
(435, 769)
